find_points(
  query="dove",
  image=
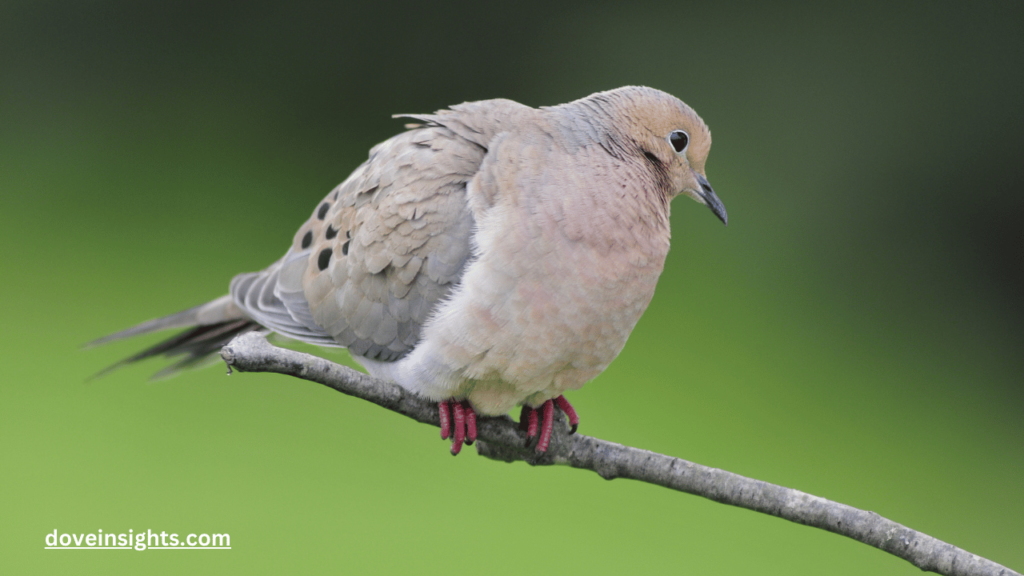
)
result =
(492, 255)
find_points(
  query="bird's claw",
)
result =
(460, 414)
(528, 422)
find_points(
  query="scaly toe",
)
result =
(460, 427)
(446, 425)
(470, 423)
(546, 427)
(570, 413)
(531, 426)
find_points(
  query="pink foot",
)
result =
(570, 413)
(528, 422)
(464, 429)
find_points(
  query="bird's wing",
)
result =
(384, 247)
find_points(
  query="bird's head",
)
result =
(671, 138)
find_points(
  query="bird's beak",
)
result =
(711, 199)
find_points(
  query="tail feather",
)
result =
(211, 326)
(219, 310)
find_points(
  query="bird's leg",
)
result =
(458, 421)
(528, 421)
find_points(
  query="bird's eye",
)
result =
(679, 140)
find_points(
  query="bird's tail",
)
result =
(210, 326)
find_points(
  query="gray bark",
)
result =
(500, 439)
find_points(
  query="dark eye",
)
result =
(679, 140)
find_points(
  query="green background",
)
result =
(855, 332)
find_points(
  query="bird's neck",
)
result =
(619, 210)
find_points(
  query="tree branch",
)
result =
(500, 438)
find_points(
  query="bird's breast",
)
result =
(564, 267)
(536, 314)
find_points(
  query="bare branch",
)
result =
(501, 439)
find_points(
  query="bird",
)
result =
(490, 256)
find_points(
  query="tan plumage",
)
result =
(493, 252)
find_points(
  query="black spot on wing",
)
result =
(322, 212)
(307, 239)
(331, 232)
(324, 260)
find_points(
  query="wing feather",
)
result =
(387, 245)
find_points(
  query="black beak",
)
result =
(709, 197)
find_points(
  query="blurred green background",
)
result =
(855, 332)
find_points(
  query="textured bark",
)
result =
(500, 439)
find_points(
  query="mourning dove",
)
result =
(491, 256)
